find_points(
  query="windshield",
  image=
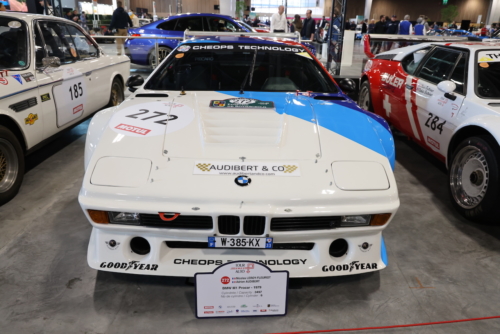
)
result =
(224, 67)
(13, 48)
(488, 74)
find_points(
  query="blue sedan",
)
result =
(142, 51)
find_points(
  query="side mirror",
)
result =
(447, 86)
(134, 81)
(51, 62)
(348, 85)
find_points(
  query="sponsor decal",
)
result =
(31, 119)
(263, 310)
(270, 48)
(354, 265)
(229, 312)
(304, 54)
(442, 101)
(272, 305)
(133, 129)
(135, 265)
(244, 306)
(257, 306)
(245, 311)
(249, 168)
(112, 244)
(28, 77)
(209, 312)
(221, 312)
(488, 56)
(365, 247)
(243, 180)
(14, 24)
(242, 103)
(454, 106)
(18, 78)
(4, 73)
(77, 109)
(225, 280)
(392, 80)
(208, 307)
(203, 262)
(183, 48)
(425, 90)
(45, 97)
(273, 310)
(433, 142)
(231, 306)
(179, 55)
(4, 81)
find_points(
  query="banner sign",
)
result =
(241, 289)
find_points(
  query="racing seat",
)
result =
(279, 84)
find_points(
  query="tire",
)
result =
(116, 95)
(474, 179)
(163, 52)
(365, 98)
(11, 165)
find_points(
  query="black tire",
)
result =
(116, 95)
(365, 97)
(474, 179)
(11, 165)
(163, 51)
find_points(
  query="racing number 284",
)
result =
(76, 90)
(434, 123)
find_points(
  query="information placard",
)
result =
(241, 289)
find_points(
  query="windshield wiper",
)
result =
(250, 72)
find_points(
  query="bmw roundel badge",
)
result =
(242, 180)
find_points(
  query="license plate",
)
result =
(236, 242)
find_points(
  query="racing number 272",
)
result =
(76, 90)
(145, 111)
(434, 123)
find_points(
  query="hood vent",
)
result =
(152, 95)
(329, 98)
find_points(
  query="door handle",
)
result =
(88, 73)
(410, 87)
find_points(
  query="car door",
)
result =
(436, 111)
(64, 88)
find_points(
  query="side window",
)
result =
(439, 65)
(191, 23)
(218, 24)
(169, 25)
(85, 48)
(410, 62)
(229, 26)
(459, 74)
(58, 41)
(39, 48)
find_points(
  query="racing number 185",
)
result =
(76, 90)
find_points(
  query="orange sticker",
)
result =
(484, 65)
(179, 55)
(73, 52)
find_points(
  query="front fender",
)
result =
(96, 128)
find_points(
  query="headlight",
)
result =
(362, 220)
(129, 218)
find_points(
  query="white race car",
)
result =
(52, 76)
(445, 96)
(238, 148)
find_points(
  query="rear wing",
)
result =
(192, 34)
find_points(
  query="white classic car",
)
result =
(52, 76)
(238, 148)
(445, 97)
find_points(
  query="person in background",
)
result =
(379, 29)
(405, 26)
(336, 24)
(364, 26)
(69, 15)
(256, 22)
(120, 21)
(371, 26)
(76, 17)
(347, 25)
(278, 21)
(322, 23)
(2, 8)
(493, 28)
(392, 29)
(83, 19)
(425, 23)
(352, 26)
(309, 26)
(420, 28)
(296, 24)
(134, 18)
(453, 25)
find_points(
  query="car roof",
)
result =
(242, 40)
(472, 45)
(178, 16)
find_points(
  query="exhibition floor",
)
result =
(441, 267)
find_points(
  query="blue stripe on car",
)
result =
(383, 252)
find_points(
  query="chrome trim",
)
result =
(22, 91)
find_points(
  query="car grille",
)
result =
(182, 222)
(304, 223)
(229, 225)
(254, 225)
(198, 245)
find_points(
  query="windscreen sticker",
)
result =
(242, 103)
(269, 48)
(150, 119)
(247, 168)
(179, 55)
(484, 65)
(14, 24)
(305, 55)
(183, 48)
(488, 56)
